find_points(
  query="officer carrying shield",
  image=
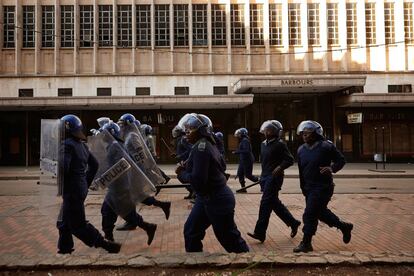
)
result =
(79, 167)
(246, 157)
(275, 158)
(215, 202)
(128, 123)
(119, 191)
(317, 160)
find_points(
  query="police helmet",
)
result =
(219, 135)
(102, 121)
(147, 129)
(191, 122)
(241, 132)
(311, 126)
(73, 125)
(137, 123)
(177, 131)
(127, 119)
(273, 125)
(113, 129)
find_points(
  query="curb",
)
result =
(351, 176)
(188, 260)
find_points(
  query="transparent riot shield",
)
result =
(139, 152)
(51, 175)
(126, 184)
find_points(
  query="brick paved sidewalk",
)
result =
(382, 224)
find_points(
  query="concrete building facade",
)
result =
(238, 61)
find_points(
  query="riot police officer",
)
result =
(275, 158)
(182, 151)
(121, 187)
(246, 157)
(215, 202)
(79, 168)
(317, 160)
(220, 143)
(128, 121)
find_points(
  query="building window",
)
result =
(29, 26)
(162, 25)
(9, 26)
(105, 25)
(370, 23)
(389, 23)
(200, 25)
(142, 91)
(404, 88)
(256, 24)
(143, 25)
(218, 22)
(313, 24)
(64, 92)
(67, 26)
(294, 24)
(181, 90)
(48, 26)
(86, 26)
(351, 24)
(103, 92)
(181, 25)
(409, 23)
(275, 24)
(124, 25)
(333, 31)
(237, 24)
(25, 93)
(220, 90)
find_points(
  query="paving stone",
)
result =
(282, 260)
(347, 253)
(363, 257)
(112, 260)
(341, 259)
(141, 261)
(169, 261)
(304, 259)
(79, 261)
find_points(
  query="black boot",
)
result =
(242, 184)
(256, 237)
(111, 247)
(346, 229)
(150, 228)
(109, 236)
(65, 251)
(165, 206)
(127, 226)
(303, 247)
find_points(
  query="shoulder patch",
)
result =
(201, 146)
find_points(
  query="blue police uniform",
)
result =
(80, 168)
(220, 145)
(274, 153)
(215, 201)
(316, 187)
(246, 160)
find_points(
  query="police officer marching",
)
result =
(79, 167)
(317, 160)
(275, 158)
(215, 202)
(246, 158)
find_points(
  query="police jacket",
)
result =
(310, 158)
(79, 167)
(274, 153)
(205, 168)
(245, 150)
(183, 149)
(220, 145)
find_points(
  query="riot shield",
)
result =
(126, 184)
(51, 174)
(139, 152)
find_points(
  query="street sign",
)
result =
(354, 118)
